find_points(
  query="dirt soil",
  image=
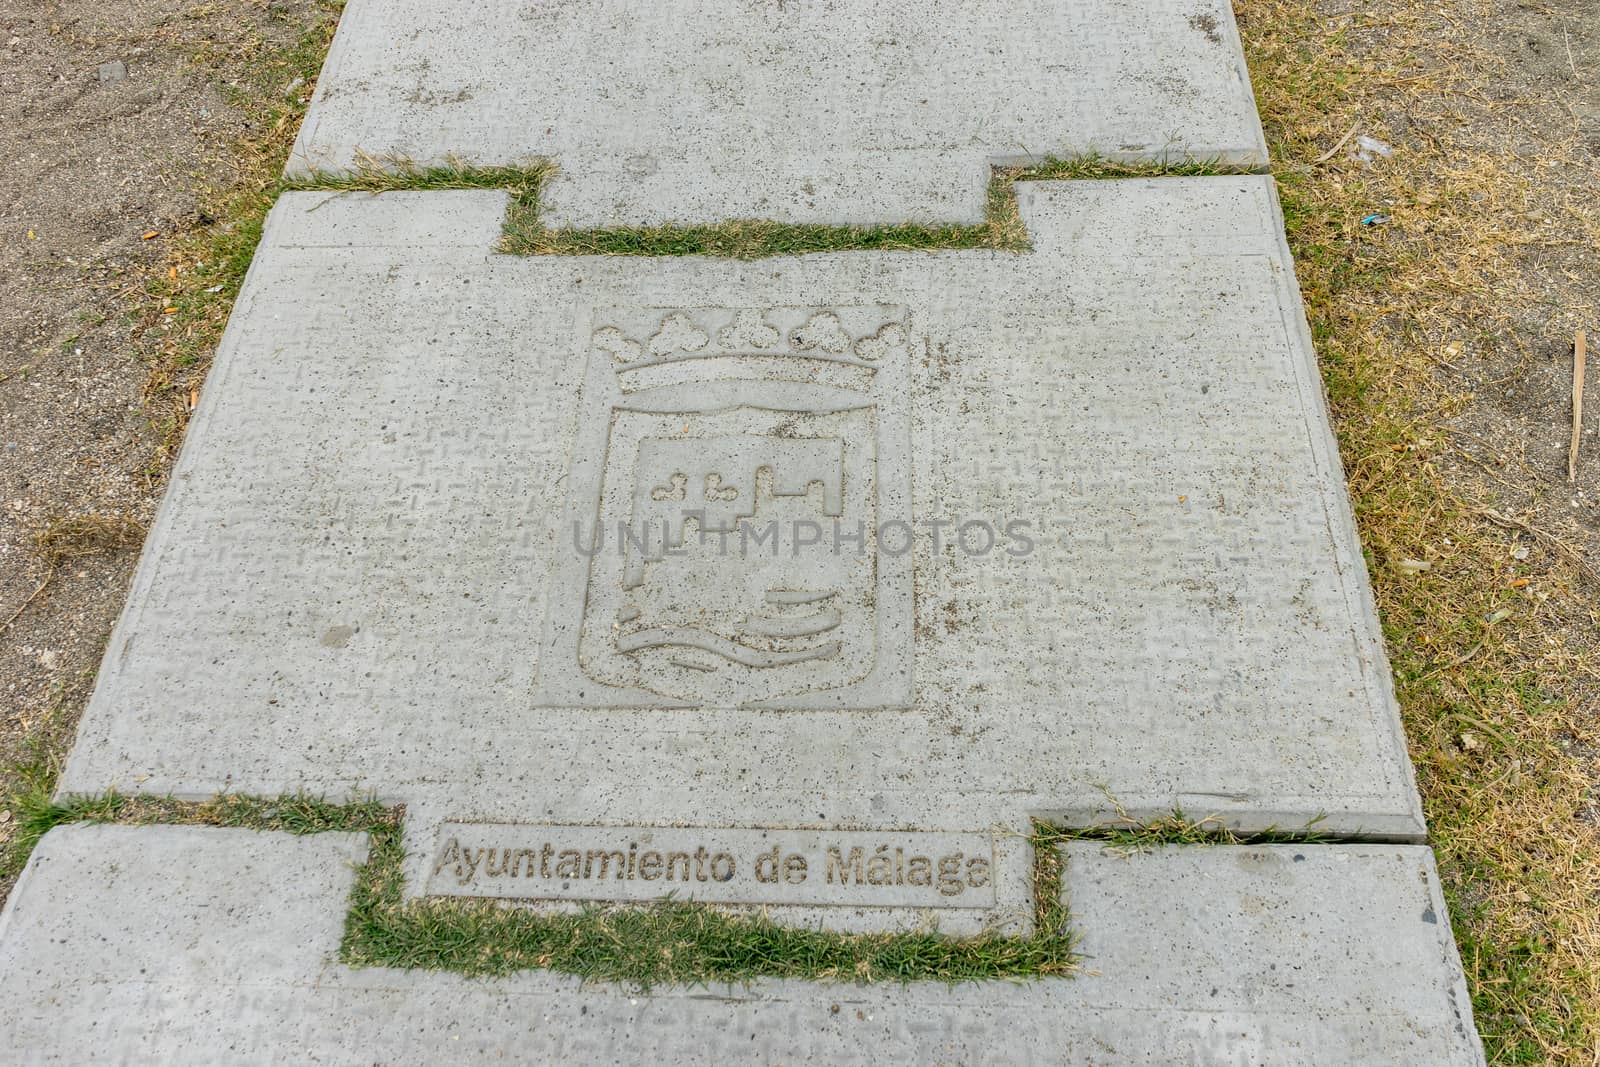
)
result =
(1514, 432)
(1510, 418)
(116, 127)
(1526, 145)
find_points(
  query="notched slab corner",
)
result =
(810, 113)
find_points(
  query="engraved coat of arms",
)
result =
(732, 472)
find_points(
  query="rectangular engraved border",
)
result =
(779, 867)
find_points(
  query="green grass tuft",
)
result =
(31, 779)
(386, 176)
(750, 239)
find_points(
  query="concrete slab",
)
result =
(1326, 954)
(805, 111)
(373, 570)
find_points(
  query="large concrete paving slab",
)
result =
(372, 570)
(801, 111)
(1325, 954)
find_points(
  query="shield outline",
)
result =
(560, 679)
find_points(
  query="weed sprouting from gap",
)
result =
(379, 174)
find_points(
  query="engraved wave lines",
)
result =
(796, 596)
(732, 651)
(780, 627)
(806, 626)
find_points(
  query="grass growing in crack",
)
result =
(293, 814)
(667, 942)
(670, 941)
(1174, 829)
(1127, 834)
(752, 239)
(526, 235)
(678, 941)
(1001, 230)
(377, 175)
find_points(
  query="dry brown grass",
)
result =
(65, 539)
(87, 535)
(1493, 643)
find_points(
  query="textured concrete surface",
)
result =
(365, 575)
(804, 111)
(372, 571)
(1337, 955)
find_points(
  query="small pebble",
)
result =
(113, 73)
